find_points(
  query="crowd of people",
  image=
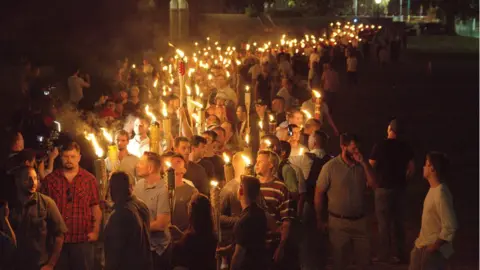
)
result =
(279, 199)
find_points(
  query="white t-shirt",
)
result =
(137, 147)
(438, 220)
(300, 149)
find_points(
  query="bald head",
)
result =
(238, 164)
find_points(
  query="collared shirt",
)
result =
(438, 220)
(156, 199)
(127, 165)
(74, 200)
(345, 186)
(137, 147)
(33, 223)
(127, 237)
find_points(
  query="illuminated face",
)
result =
(263, 165)
(241, 115)
(297, 119)
(311, 141)
(183, 149)
(199, 151)
(427, 169)
(122, 142)
(179, 166)
(277, 105)
(260, 109)
(28, 185)
(350, 150)
(70, 159)
(143, 167)
(140, 127)
(19, 143)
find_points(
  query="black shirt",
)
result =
(250, 233)
(392, 157)
(218, 167)
(198, 176)
(208, 166)
(264, 85)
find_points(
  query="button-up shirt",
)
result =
(345, 185)
(33, 222)
(156, 198)
(137, 147)
(74, 200)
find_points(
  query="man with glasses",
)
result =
(75, 192)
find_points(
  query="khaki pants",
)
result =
(421, 259)
(343, 233)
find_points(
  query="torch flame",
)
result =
(268, 142)
(271, 118)
(150, 114)
(247, 138)
(308, 115)
(247, 160)
(107, 135)
(196, 103)
(301, 151)
(168, 164)
(197, 90)
(98, 150)
(260, 124)
(189, 91)
(133, 66)
(155, 83)
(247, 88)
(226, 158)
(213, 183)
(316, 94)
(59, 127)
(164, 109)
(180, 53)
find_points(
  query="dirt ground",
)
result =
(440, 111)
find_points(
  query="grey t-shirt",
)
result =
(345, 186)
(156, 199)
(183, 196)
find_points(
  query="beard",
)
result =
(68, 166)
(349, 156)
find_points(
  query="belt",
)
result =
(346, 217)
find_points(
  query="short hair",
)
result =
(347, 138)
(22, 172)
(72, 146)
(219, 128)
(154, 158)
(175, 155)
(282, 99)
(122, 179)
(168, 154)
(211, 133)
(313, 122)
(286, 147)
(275, 142)
(292, 112)
(12, 137)
(26, 155)
(217, 120)
(440, 163)
(321, 137)
(251, 187)
(178, 140)
(272, 157)
(197, 140)
(122, 133)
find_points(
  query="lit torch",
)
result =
(228, 168)
(112, 151)
(318, 104)
(154, 132)
(99, 167)
(248, 166)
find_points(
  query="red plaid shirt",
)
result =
(74, 200)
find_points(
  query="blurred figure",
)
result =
(76, 85)
(196, 249)
(127, 240)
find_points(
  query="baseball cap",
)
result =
(260, 102)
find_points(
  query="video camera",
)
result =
(47, 144)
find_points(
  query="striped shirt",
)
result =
(277, 200)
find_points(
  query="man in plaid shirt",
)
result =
(279, 210)
(75, 192)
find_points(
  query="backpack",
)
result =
(311, 180)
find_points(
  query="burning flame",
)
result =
(268, 142)
(316, 94)
(168, 164)
(272, 119)
(98, 150)
(133, 66)
(59, 127)
(308, 115)
(247, 138)
(300, 153)
(180, 53)
(196, 103)
(213, 183)
(150, 114)
(107, 135)
(260, 124)
(226, 158)
(155, 83)
(189, 90)
(164, 110)
(247, 160)
(247, 88)
(197, 90)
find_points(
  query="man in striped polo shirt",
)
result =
(279, 210)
